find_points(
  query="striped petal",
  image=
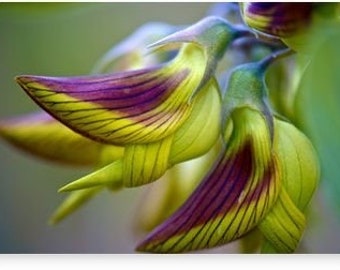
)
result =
(43, 136)
(299, 162)
(283, 226)
(237, 193)
(146, 163)
(163, 197)
(202, 128)
(131, 107)
(277, 19)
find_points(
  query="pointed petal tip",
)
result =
(52, 221)
(73, 186)
(22, 80)
(64, 189)
(192, 33)
(145, 247)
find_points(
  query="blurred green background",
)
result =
(67, 39)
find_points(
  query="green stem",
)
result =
(268, 60)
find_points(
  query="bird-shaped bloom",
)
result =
(155, 117)
(139, 106)
(43, 136)
(293, 23)
(263, 178)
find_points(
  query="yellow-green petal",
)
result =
(137, 106)
(284, 225)
(299, 162)
(41, 135)
(202, 128)
(146, 163)
(75, 200)
(110, 175)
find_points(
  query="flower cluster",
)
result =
(159, 98)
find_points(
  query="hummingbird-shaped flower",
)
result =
(152, 117)
(263, 178)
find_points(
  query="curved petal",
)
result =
(277, 19)
(299, 162)
(202, 128)
(146, 163)
(109, 175)
(43, 136)
(75, 200)
(130, 107)
(284, 225)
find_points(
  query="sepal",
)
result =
(109, 175)
(74, 201)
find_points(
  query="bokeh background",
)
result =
(67, 39)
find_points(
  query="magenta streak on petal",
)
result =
(286, 18)
(97, 87)
(139, 101)
(215, 196)
(130, 99)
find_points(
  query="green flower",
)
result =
(41, 135)
(139, 106)
(263, 178)
(133, 126)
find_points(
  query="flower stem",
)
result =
(268, 60)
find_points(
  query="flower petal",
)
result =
(202, 128)
(163, 197)
(75, 200)
(43, 136)
(299, 162)
(236, 194)
(130, 107)
(277, 19)
(110, 175)
(146, 163)
(284, 225)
